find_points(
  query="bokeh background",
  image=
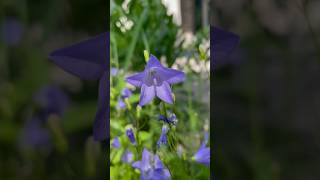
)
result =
(266, 96)
(46, 114)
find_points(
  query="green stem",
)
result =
(135, 37)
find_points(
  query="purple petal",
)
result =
(127, 157)
(163, 136)
(164, 92)
(130, 135)
(114, 71)
(203, 156)
(160, 174)
(157, 163)
(86, 59)
(153, 62)
(126, 93)
(147, 94)
(145, 162)
(205, 141)
(116, 143)
(137, 165)
(121, 104)
(136, 79)
(172, 76)
(101, 123)
(222, 44)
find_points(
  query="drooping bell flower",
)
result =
(114, 71)
(163, 137)
(172, 119)
(127, 157)
(151, 167)
(221, 45)
(126, 93)
(89, 60)
(155, 80)
(130, 135)
(116, 143)
(121, 104)
(203, 154)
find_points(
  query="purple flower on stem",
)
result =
(155, 171)
(130, 134)
(155, 80)
(121, 104)
(163, 136)
(222, 44)
(116, 143)
(126, 93)
(171, 120)
(203, 154)
(114, 71)
(127, 157)
(89, 60)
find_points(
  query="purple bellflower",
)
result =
(130, 134)
(151, 167)
(126, 93)
(116, 143)
(155, 80)
(222, 44)
(121, 104)
(114, 71)
(203, 154)
(89, 60)
(127, 157)
(163, 137)
(171, 120)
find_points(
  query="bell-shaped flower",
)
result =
(116, 143)
(172, 119)
(126, 93)
(163, 137)
(151, 167)
(89, 60)
(121, 104)
(114, 71)
(127, 157)
(155, 80)
(130, 135)
(203, 154)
